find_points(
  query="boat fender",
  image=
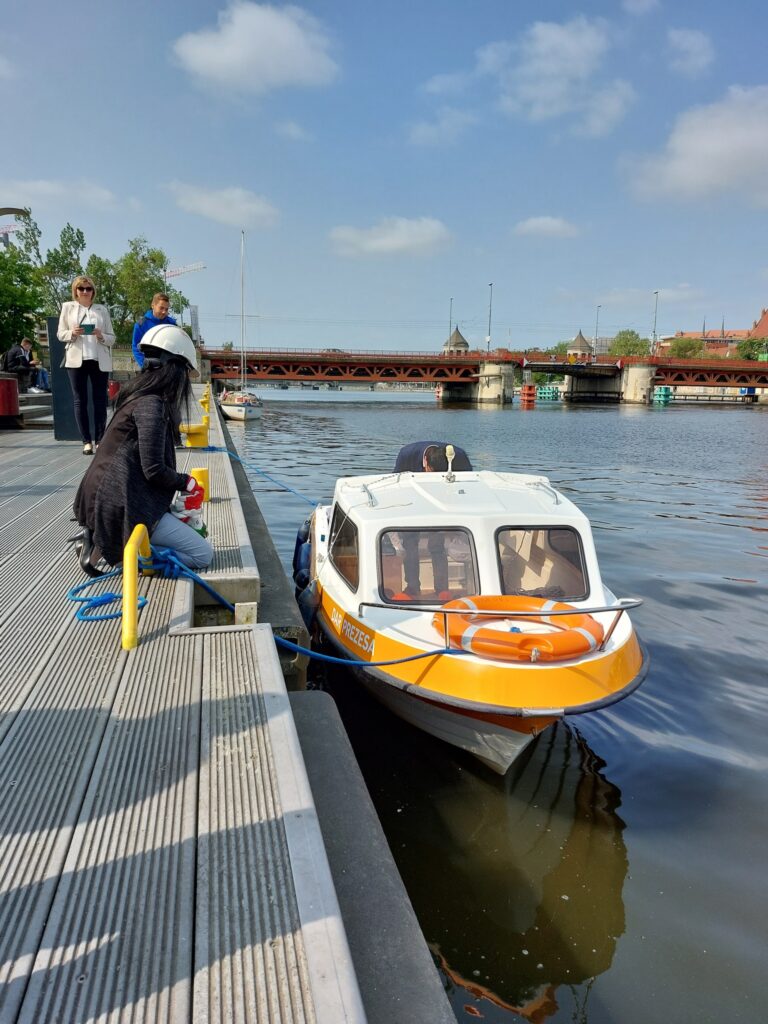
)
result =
(302, 537)
(309, 601)
(301, 575)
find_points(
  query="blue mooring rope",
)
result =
(164, 562)
(243, 462)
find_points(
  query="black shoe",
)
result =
(83, 542)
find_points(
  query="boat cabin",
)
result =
(428, 538)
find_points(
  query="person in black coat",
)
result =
(133, 476)
(430, 457)
(18, 359)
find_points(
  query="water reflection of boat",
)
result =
(517, 883)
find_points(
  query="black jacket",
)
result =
(16, 359)
(132, 478)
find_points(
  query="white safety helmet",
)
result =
(174, 341)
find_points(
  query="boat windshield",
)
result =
(426, 565)
(542, 562)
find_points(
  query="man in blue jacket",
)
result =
(158, 314)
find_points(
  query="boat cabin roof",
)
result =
(432, 497)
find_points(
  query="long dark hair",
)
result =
(169, 379)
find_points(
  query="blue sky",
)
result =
(385, 158)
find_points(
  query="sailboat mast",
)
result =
(242, 311)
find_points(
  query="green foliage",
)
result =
(629, 343)
(752, 348)
(125, 286)
(227, 346)
(560, 349)
(20, 297)
(686, 348)
(55, 271)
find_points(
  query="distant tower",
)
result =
(456, 343)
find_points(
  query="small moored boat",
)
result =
(471, 604)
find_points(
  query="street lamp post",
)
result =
(490, 307)
(655, 314)
(450, 319)
(597, 321)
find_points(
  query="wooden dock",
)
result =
(160, 854)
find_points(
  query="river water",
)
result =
(618, 872)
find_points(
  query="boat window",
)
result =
(342, 547)
(542, 562)
(426, 565)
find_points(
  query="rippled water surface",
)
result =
(617, 873)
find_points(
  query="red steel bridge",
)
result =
(333, 365)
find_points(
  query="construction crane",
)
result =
(186, 269)
(177, 272)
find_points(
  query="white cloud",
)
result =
(390, 236)
(551, 71)
(638, 7)
(293, 131)
(6, 68)
(48, 192)
(691, 51)
(712, 150)
(235, 206)
(256, 48)
(554, 77)
(447, 127)
(546, 227)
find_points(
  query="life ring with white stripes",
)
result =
(511, 639)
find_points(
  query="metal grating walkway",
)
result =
(160, 857)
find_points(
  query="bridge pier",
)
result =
(637, 383)
(495, 384)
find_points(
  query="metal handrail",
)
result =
(622, 605)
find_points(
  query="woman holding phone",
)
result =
(86, 329)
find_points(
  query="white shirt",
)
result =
(85, 315)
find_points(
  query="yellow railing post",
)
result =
(138, 544)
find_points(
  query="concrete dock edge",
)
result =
(397, 977)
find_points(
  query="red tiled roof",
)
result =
(760, 327)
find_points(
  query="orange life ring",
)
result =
(566, 636)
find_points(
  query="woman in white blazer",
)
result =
(86, 330)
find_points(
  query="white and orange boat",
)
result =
(471, 604)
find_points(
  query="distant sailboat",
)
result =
(241, 404)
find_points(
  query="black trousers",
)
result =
(78, 380)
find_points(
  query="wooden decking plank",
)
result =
(250, 964)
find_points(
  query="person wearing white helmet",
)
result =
(133, 476)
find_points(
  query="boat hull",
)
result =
(493, 730)
(241, 412)
(496, 745)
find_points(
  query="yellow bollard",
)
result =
(200, 473)
(196, 433)
(138, 544)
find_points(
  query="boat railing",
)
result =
(623, 604)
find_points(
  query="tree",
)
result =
(751, 348)
(629, 343)
(560, 349)
(686, 348)
(61, 265)
(20, 297)
(138, 275)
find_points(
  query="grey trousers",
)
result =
(194, 551)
